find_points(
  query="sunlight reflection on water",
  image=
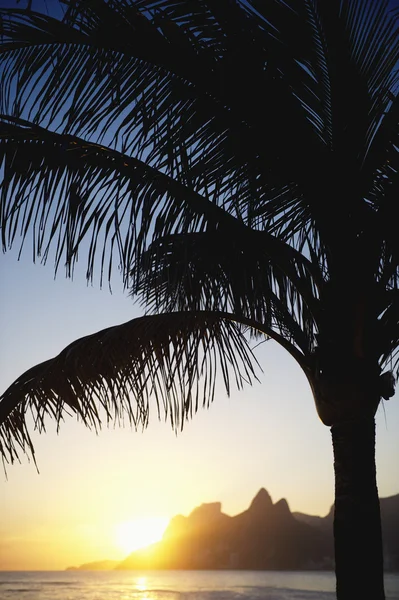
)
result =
(141, 584)
(175, 585)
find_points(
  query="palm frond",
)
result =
(238, 271)
(168, 360)
(193, 118)
(200, 124)
(64, 190)
(236, 157)
(374, 45)
(388, 329)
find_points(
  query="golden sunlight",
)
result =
(139, 533)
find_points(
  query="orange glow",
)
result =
(139, 533)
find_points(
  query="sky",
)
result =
(90, 487)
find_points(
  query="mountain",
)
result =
(100, 565)
(265, 536)
(389, 522)
(390, 531)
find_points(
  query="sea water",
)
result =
(174, 585)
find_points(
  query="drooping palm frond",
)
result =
(382, 166)
(229, 155)
(71, 188)
(168, 360)
(199, 121)
(246, 273)
(389, 332)
(230, 121)
(67, 191)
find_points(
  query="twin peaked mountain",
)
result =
(265, 536)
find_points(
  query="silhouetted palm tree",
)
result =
(238, 160)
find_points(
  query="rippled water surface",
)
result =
(174, 585)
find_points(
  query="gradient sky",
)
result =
(265, 436)
(68, 514)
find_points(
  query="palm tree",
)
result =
(238, 161)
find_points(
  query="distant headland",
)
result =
(266, 536)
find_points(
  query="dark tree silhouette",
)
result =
(237, 160)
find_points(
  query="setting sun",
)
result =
(139, 533)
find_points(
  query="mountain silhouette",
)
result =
(266, 536)
(389, 522)
(100, 565)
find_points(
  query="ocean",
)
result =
(174, 585)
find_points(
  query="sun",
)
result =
(139, 533)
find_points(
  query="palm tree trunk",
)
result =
(357, 521)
